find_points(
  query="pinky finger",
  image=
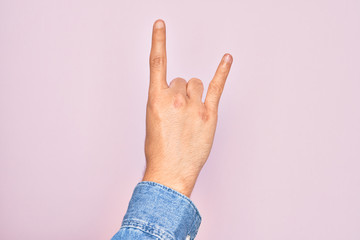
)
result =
(217, 84)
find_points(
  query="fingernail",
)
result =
(159, 24)
(228, 58)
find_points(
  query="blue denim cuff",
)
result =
(162, 212)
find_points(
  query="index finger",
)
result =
(157, 59)
(217, 84)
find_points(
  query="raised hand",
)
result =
(180, 128)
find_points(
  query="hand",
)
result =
(180, 128)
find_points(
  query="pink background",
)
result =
(74, 76)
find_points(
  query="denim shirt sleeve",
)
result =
(159, 212)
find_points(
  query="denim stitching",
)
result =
(173, 191)
(148, 228)
(139, 228)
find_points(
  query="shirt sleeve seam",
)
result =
(175, 192)
(149, 228)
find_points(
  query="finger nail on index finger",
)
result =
(159, 23)
(228, 58)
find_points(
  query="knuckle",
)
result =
(180, 97)
(212, 113)
(178, 79)
(203, 114)
(224, 70)
(179, 100)
(196, 82)
(216, 88)
(153, 102)
(157, 61)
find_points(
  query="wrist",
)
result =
(178, 183)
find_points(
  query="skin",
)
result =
(180, 128)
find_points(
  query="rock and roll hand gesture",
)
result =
(180, 128)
